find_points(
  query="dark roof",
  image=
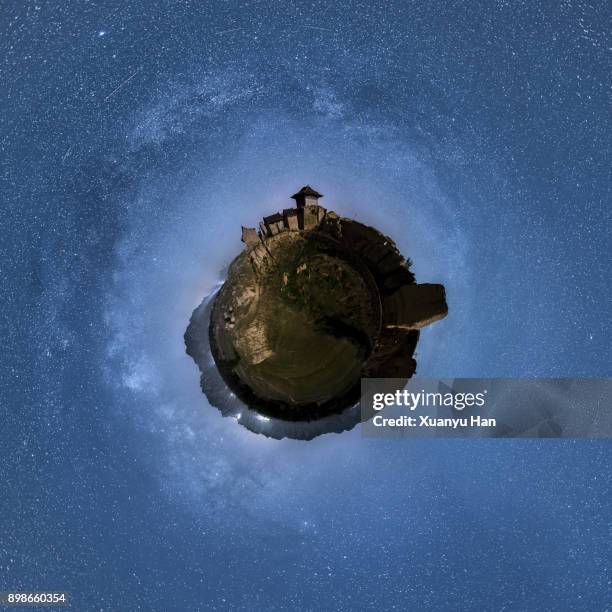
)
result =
(290, 212)
(273, 218)
(307, 190)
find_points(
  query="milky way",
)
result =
(138, 139)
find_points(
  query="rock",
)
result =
(414, 306)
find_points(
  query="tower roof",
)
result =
(307, 190)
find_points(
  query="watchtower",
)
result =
(306, 196)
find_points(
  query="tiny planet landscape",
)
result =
(136, 139)
(314, 303)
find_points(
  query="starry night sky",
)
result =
(137, 137)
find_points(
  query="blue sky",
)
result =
(137, 138)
